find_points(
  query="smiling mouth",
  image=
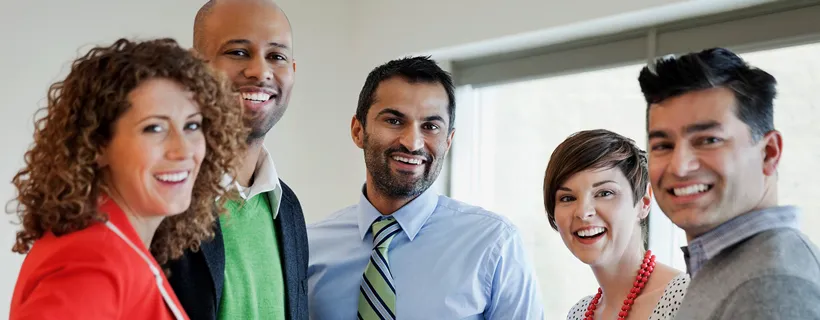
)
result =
(176, 177)
(690, 190)
(257, 97)
(590, 233)
(411, 161)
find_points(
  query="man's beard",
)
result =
(398, 185)
(261, 125)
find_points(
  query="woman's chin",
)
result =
(173, 208)
(587, 255)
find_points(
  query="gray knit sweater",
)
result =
(772, 275)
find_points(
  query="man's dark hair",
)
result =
(754, 89)
(413, 70)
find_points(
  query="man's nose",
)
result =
(258, 69)
(412, 139)
(683, 161)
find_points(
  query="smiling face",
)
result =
(251, 42)
(406, 137)
(597, 217)
(703, 162)
(155, 151)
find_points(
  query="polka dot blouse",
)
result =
(667, 306)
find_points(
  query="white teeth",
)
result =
(172, 177)
(255, 96)
(690, 190)
(407, 160)
(590, 232)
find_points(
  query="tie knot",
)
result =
(383, 231)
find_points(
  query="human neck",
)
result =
(385, 205)
(144, 224)
(250, 158)
(617, 278)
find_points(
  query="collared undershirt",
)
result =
(705, 247)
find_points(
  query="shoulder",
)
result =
(64, 275)
(577, 311)
(676, 287)
(94, 242)
(787, 237)
(783, 251)
(772, 287)
(344, 216)
(286, 190)
(289, 196)
(774, 295)
(672, 297)
(478, 226)
(95, 246)
(474, 215)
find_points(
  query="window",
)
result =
(521, 124)
(796, 112)
(514, 109)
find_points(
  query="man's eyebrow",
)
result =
(657, 134)
(391, 111)
(703, 126)
(434, 118)
(246, 41)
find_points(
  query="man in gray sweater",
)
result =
(713, 158)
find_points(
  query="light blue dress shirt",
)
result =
(451, 261)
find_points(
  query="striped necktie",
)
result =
(377, 294)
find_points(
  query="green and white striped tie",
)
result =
(377, 294)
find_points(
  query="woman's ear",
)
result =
(102, 158)
(646, 202)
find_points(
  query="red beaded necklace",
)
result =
(640, 281)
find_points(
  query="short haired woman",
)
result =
(596, 196)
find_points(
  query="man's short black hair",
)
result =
(753, 88)
(413, 70)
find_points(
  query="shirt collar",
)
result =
(710, 244)
(265, 179)
(411, 217)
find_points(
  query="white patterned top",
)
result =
(665, 310)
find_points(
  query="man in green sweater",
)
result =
(713, 158)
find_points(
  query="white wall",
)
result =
(335, 48)
(40, 38)
(428, 25)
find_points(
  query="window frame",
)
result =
(763, 27)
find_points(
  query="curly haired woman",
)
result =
(124, 174)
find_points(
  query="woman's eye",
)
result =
(154, 128)
(605, 193)
(193, 126)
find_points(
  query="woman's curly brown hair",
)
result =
(59, 187)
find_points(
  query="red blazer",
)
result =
(101, 272)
